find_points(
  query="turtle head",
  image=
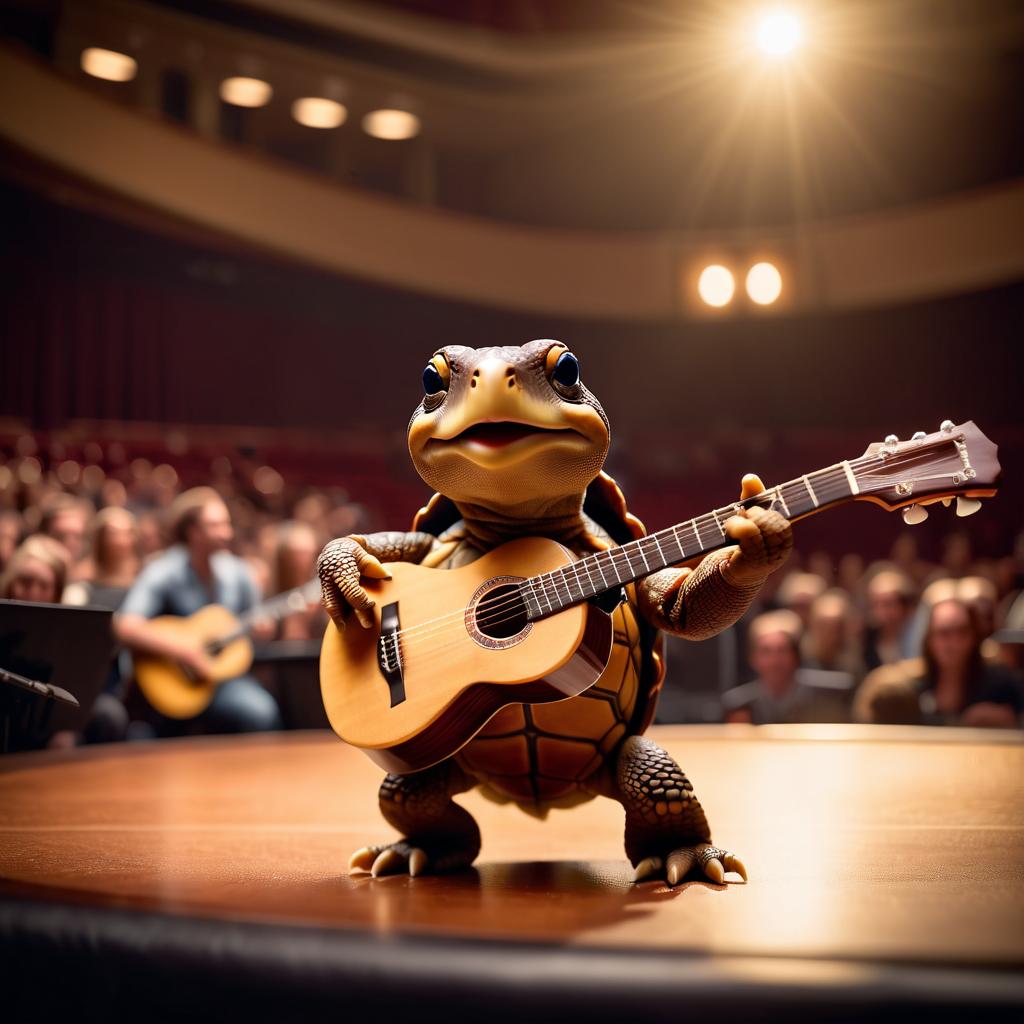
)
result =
(508, 428)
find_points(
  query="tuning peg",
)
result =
(919, 435)
(891, 439)
(947, 426)
(946, 502)
(914, 514)
(967, 506)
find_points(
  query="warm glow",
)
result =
(779, 33)
(391, 124)
(316, 112)
(716, 285)
(764, 283)
(108, 64)
(246, 92)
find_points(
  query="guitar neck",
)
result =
(275, 608)
(578, 581)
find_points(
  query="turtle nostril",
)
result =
(511, 382)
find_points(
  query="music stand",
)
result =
(48, 654)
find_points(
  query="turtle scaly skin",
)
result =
(513, 443)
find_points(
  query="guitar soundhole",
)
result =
(496, 617)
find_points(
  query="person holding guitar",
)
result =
(196, 572)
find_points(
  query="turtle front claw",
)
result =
(392, 859)
(712, 861)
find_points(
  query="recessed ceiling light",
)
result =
(716, 285)
(246, 92)
(391, 124)
(108, 64)
(318, 112)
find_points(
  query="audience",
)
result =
(928, 642)
(784, 691)
(951, 683)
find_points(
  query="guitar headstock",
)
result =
(957, 461)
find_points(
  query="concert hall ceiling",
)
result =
(589, 114)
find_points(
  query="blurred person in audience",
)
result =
(11, 530)
(66, 519)
(298, 547)
(832, 639)
(111, 567)
(950, 684)
(150, 535)
(890, 601)
(798, 591)
(196, 571)
(904, 557)
(37, 571)
(956, 554)
(851, 571)
(783, 691)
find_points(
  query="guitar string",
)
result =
(489, 613)
(827, 490)
(421, 644)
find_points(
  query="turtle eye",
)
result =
(432, 381)
(436, 375)
(567, 370)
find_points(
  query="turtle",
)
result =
(514, 444)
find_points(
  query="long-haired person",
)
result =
(37, 571)
(952, 683)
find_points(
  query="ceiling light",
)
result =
(716, 285)
(108, 64)
(317, 112)
(779, 33)
(246, 92)
(391, 124)
(764, 283)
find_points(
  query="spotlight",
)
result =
(108, 64)
(317, 112)
(764, 283)
(779, 33)
(246, 92)
(391, 124)
(716, 285)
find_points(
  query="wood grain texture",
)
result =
(886, 845)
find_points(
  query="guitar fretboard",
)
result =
(581, 580)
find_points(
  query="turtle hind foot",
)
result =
(407, 858)
(710, 861)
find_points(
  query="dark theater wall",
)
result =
(108, 322)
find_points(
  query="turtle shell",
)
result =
(540, 755)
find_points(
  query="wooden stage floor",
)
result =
(868, 850)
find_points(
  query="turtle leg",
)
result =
(667, 833)
(438, 835)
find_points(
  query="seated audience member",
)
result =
(832, 638)
(798, 591)
(950, 684)
(66, 519)
(11, 530)
(37, 571)
(783, 691)
(889, 637)
(294, 565)
(196, 571)
(112, 566)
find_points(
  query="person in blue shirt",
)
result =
(198, 570)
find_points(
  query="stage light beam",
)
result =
(716, 285)
(779, 33)
(764, 283)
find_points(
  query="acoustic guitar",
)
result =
(171, 689)
(451, 647)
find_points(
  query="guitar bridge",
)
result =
(389, 653)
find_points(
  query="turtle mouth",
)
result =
(500, 433)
